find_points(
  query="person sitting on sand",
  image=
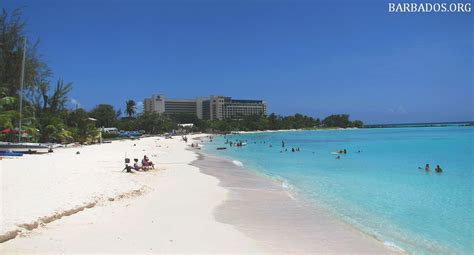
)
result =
(136, 166)
(149, 162)
(145, 164)
(427, 167)
(438, 169)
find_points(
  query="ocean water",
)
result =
(380, 189)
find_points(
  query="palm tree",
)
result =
(57, 101)
(130, 108)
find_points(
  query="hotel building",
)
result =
(211, 108)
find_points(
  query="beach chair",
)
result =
(127, 167)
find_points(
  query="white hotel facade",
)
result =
(208, 108)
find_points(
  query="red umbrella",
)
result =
(7, 130)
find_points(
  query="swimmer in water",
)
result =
(438, 169)
(427, 167)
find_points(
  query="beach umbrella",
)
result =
(7, 130)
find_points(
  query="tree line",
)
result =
(154, 123)
(47, 118)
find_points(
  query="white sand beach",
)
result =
(63, 203)
(165, 210)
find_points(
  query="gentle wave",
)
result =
(394, 246)
(286, 185)
(385, 168)
(238, 163)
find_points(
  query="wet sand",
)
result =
(268, 213)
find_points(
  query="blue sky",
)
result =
(312, 57)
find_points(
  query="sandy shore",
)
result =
(268, 212)
(167, 210)
(64, 203)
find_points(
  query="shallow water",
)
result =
(379, 190)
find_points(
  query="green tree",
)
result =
(152, 123)
(131, 108)
(273, 121)
(57, 101)
(182, 118)
(337, 120)
(105, 115)
(83, 129)
(8, 113)
(12, 35)
(317, 122)
(357, 124)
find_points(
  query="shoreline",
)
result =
(267, 212)
(189, 194)
(359, 206)
(169, 217)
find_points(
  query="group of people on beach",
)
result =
(438, 169)
(145, 165)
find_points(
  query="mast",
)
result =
(22, 79)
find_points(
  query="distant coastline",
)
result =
(421, 124)
(397, 125)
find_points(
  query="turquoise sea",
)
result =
(380, 189)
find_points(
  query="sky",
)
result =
(312, 57)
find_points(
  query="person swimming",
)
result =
(427, 167)
(338, 157)
(438, 169)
